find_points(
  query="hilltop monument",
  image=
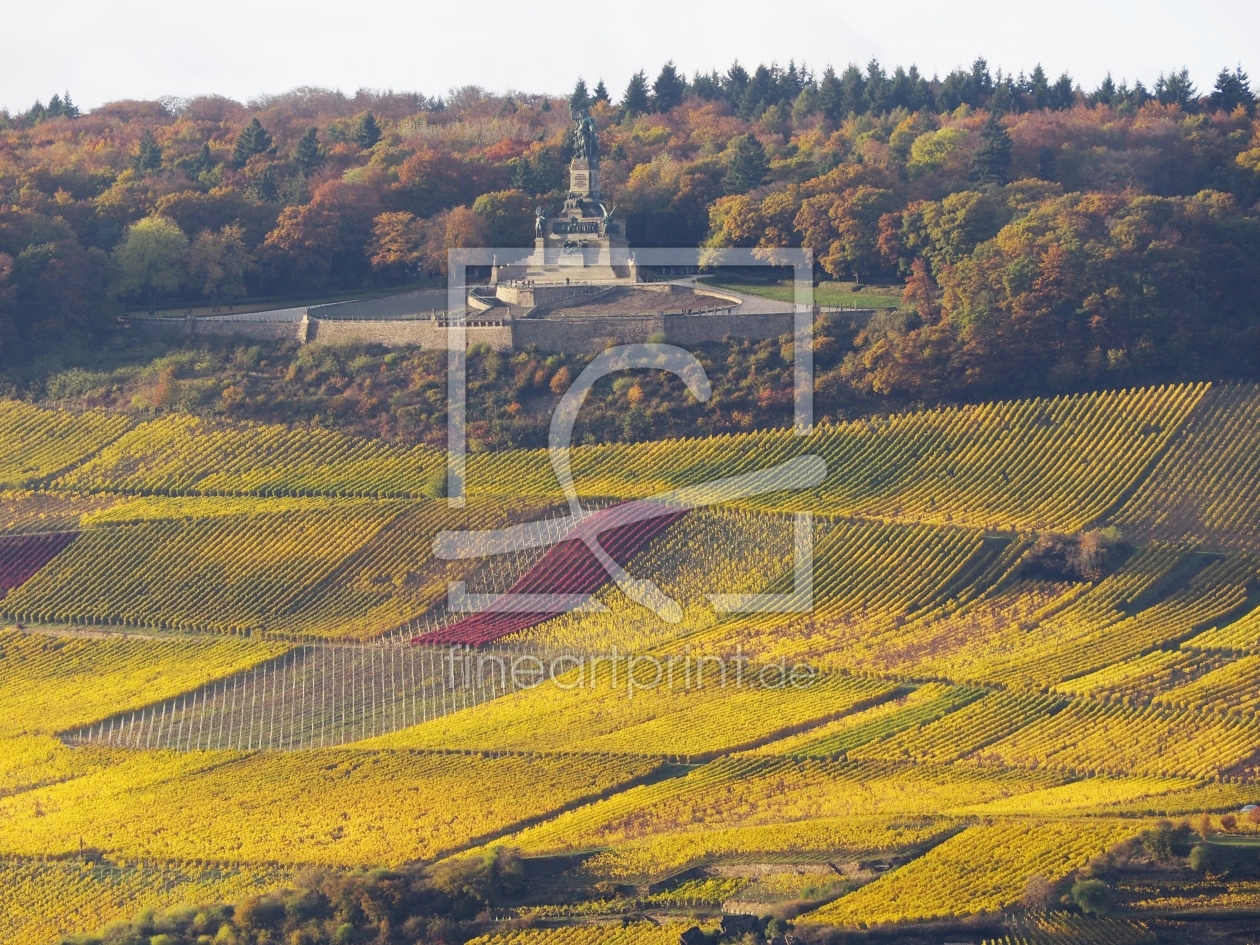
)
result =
(584, 241)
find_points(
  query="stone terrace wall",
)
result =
(574, 334)
(407, 304)
(219, 327)
(428, 335)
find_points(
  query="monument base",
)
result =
(596, 260)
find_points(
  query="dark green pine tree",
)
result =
(830, 94)
(263, 187)
(760, 93)
(580, 99)
(1231, 90)
(993, 159)
(308, 153)
(252, 140)
(194, 165)
(668, 89)
(1039, 88)
(600, 94)
(1105, 94)
(366, 131)
(748, 165)
(635, 101)
(148, 156)
(203, 161)
(1062, 94)
(68, 108)
(1004, 98)
(1176, 89)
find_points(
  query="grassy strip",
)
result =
(825, 293)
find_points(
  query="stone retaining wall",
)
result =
(219, 327)
(425, 334)
(590, 335)
(573, 335)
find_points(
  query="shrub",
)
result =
(1164, 841)
(441, 904)
(1084, 557)
(1037, 894)
(1203, 858)
(1091, 896)
(1215, 858)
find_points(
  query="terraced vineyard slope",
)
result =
(1000, 645)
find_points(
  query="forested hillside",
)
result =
(1048, 237)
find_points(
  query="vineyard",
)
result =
(1208, 896)
(922, 707)
(711, 550)
(704, 709)
(1086, 794)
(735, 808)
(1113, 738)
(569, 569)
(1038, 464)
(25, 512)
(1233, 687)
(869, 580)
(1162, 595)
(227, 573)
(982, 869)
(641, 933)
(283, 567)
(1060, 928)
(311, 697)
(41, 443)
(238, 651)
(970, 729)
(22, 555)
(81, 679)
(41, 900)
(181, 455)
(1240, 636)
(357, 808)
(1206, 489)
(1140, 679)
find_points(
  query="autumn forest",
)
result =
(1049, 238)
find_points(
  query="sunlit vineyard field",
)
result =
(181, 455)
(40, 443)
(1204, 487)
(42, 899)
(639, 933)
(768, 806)
(233, 652)
(982, 869)
(591, 711)
(1038, 464)
(356, 808)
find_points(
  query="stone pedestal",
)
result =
(584, 179)
(579, 244)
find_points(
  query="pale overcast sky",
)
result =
(124, 49)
